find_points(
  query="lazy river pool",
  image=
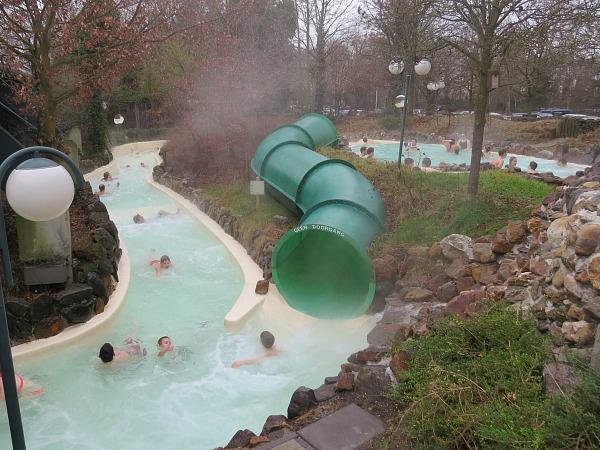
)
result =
(388, 151)
(193, 399)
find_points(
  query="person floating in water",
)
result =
(131, 347)
(268, 342)
(498, 162)
(561, 162)
(165, 345)
(138, 218)
(143, 165)
(161, 264)
(102, 190)
(532, 168)
(24, 388)
(108, 177)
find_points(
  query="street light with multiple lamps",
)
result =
(435, 88)
(38, 189)
(396, 68)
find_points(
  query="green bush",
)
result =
(149, 134)
(389, 122)
(477, 384)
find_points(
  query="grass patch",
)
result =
(423, 208)
(478, 384)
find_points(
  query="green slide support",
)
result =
(321, 267)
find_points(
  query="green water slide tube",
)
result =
(321, 267)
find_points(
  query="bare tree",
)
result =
(487, 32)
(323, 25)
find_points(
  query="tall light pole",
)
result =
(435, 88)
(37, 189)
(396, 68)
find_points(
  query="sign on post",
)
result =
(257, 188)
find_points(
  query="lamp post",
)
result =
(435, 88)
(37, 189)
(396, 68)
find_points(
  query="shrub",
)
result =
(478, 384)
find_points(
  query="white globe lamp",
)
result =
(39, 189)
(396, 68)
(423, 67)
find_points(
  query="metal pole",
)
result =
(6, 363)
(406, 86)
(437, 116)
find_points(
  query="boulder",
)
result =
(457, 246)
(303, 400)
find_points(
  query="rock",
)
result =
(75, 293)
(257, 440)
(274, 423)
(48, 327)
(482, 253)
(581, 332)
(419, 295)
(464, 284)
(80, 312)
(458, 305)
(457, 246)
(19, 329)
(372, 380)
(41, 307)
(384, 335)
(558, 232)
(369, 355)
(434, 283)
(588, 239)
(262, 287)
(399, 362)
(459, 268)
(592, 308)
(446, 292)
(345, 382)
(479, 272)
(16, 306)
(515, 231)
(303, 399)
(559, 379)
(495, 293)
(386, 267)
(240, 439)
(594, 271)
(500, 243)
(325, 392)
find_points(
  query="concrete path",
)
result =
(345, 429)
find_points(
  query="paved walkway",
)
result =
(345, 429)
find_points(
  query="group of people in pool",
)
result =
(132, 348)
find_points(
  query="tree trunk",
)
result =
(319, 75)
(481, 101)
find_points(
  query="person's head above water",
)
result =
(165, 261)
(267, 339)
(138, 218)
(107, 353)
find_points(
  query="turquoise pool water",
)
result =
(437, 153)
(190, 400)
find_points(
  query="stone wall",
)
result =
(96, 254)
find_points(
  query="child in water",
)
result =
(268, 342)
